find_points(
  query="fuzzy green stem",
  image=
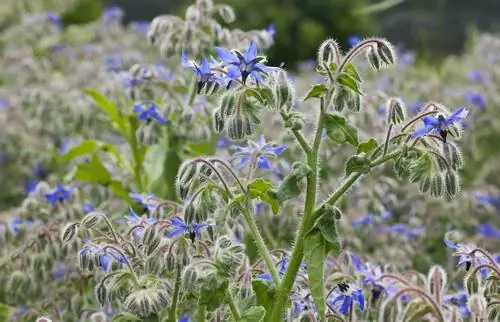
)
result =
(283, 291)
(202, 313)
(259, 241)
(232, 305)
(172, 315)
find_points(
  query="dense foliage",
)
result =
(166, 171)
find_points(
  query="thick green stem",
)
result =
(172, 315)
(232, 305)
(298, 252)
(261, 245)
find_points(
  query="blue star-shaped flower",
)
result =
(476, 98)
(203, 71)
(135, 220)
(440, 124)
(179, 227)
(464, 257)
(281, 272)
(59, 195)
(149, 114)
(244, 65)
(370, 272)
(105, 258)
(262, 149)
(459, 299)
(345, 297)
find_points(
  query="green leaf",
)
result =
(265, 293)
(91, 146)
(212, 291)
(348, 81)
(290, 186)
(367, 146)
(254, 314)
(125, 317)
(119, 190)
(258, 189)
(317, 90)
(109, 107)
(351, 70)
(328, 228)
(93, 172)
(357, 163)
(6, 312)
(315, 255)
(338, 130)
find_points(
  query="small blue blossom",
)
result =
(244, 65)
(476, 98)
(149, 113)
(184, 318)
(490, 200)
(261, 150)
(405, 230)
(345, 297)
(440, 124)
(55, 19)
(60, 271)
(476, 76)
(135, 220)
(88, 208)
(459, 299)
(203, 71)
(114, 62)
(223, 142)
(59, 195)
(362, 221)
(141, 26)
(281, 272)
(105, 258)
(113, 14)
(271, 30)
(353, 40)
(415, 107)
(463, 252)
(179, 227)
(488, 231)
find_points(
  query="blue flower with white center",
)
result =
(345, 297)
(244, 65)
(135, 220)
(105, 257)
(260, 150)
(281, 272)
(59, 195)
(203, 71)
(476, 98)
(488, 231)
(180, 227)
(463, 252)
(149, 113)
(440, 124)
(371, 273)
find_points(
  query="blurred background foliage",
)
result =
(435, 28)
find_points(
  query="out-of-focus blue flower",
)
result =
(149, 113)
(128, 80)
(60, 271)
(382, 110)
(415, 107)
(114, 62)
(244, 65)
(364, 220)
(405, 230)
(88, 208)
(476, 98)
(488, 231)
(345, 297)
(179, 227)
(485, 199)
(271, 30)
(463, 252)
(15, 225)
(223, 142)
(135, 220)
(282, 170)
(371, 273)
(440, 124)
(141, 26)
(55, 19)
(113, 14)
(353, 40)
(281, 272)
(59, 195)
(203, 71)
(260, 207)
(184, 318)
(261, 150)
(476, 76)
(458, 299)
(3, 103)
(105, 257)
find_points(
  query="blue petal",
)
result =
(104, 262)
(233, 72)
(227, 56)
(429, 120)
(280, 149)
(346, 305)
(421, 131)
(360, 299)
(356, 262)
(457, 116)
(263, 163)
(251, 52)
(177, 231)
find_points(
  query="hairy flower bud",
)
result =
(193, 15)
(189, 278)
(451, 183)
(397, 112)
(146, 302)
(478, 306)
(437, 280)
(341, 98)
(101, 293)
(295, 121)
(153, 265)
(43, 319)
(219, 122)
(437, 185)
(453, 155)
(425, 183)
(91, 219)
(188, 172)
(68, 232)
(386, 52)
(226, 13)
(227, 104)
(328, 53)
(98, 317)
(373, 59)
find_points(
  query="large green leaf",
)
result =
(315, 255)
(318, 90)
(91, 146)
(338, 130)
(94, 172)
